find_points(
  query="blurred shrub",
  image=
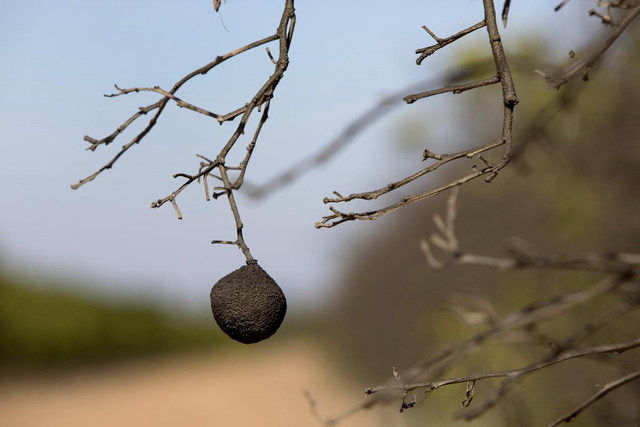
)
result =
(43, 329)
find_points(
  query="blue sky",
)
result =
(60, 57)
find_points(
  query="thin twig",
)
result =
(236, 216)
(445, 158)
(455, 89)
(179, 102)
(283, 35)
(359, 124)
(534, 313)
(561, 5)
(614, 349)
(606, 389)
(610, 263)
(621, 263)
(579, 336)
(262, 97)
(505, 12)
(582, 66)
(245, 162)
(160, 105)
(425, 52)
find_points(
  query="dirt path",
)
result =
(250, 386)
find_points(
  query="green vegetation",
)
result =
(50, 329)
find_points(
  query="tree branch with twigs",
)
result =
(621, 282)
(622, 269)
(207, 168)
(618, 272)
(580, 66)
(453, 84)
(490, 171)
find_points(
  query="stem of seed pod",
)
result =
(236, 216)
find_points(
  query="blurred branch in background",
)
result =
(581, 66)
(524, 256)
(590, 300)
(623, 284)
(357, 126)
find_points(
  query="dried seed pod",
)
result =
(248, 304)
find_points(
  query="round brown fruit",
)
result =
(248, 305)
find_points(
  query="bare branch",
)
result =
(425, 52)
(335, 420)
(587, 330)
(262, 97)
(176, 208)
(445, 158)
(606, 389)
(613, 349)
(191, 178)
(224, 242)
(612, 263)
(534, 313)
(505, 12)
(360, 123)
(624, 265)
(179, 102)
(561, 5)
(160, 105)
(455, 89)
(283, 35)
(509, 99)
(340, 217)
(236, 216)
(621, 263)
(245, 162)
(582, 66)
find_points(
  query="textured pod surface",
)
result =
(248, 304)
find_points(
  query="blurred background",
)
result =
(104, 307)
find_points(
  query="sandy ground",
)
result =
(249, 386)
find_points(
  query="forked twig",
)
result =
(260, 101)
(509, 99)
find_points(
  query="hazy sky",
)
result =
(58, 58)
